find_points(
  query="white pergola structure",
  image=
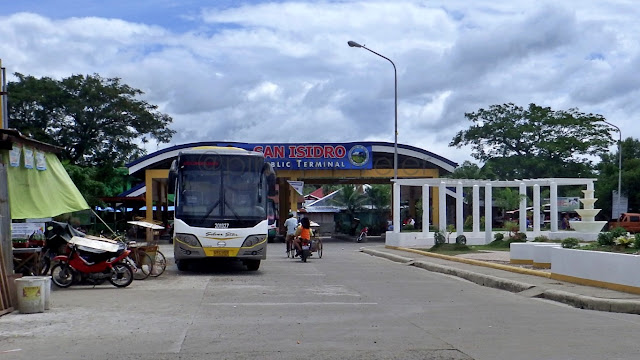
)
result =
(475, 237)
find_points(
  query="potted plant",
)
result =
(20, 243)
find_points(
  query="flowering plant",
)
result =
(624, 240)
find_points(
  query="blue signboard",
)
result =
(314, 156)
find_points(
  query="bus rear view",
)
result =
(221, 197)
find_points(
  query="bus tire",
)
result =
(182, 265)
(252, 265)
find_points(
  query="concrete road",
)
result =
(347, 305)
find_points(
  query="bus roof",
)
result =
(220, 150)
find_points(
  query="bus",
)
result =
(221, 199)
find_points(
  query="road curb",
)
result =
(392, 257)
(593, 303)
(480, 279)
(575, 300)
(475, 262)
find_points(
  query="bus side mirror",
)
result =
(271, 179)
(171, 181)
(271, 185)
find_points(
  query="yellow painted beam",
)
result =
(149, 175)
(372, 173)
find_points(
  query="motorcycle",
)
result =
(363, 235)
(306, 249)
(57, 235)
(92, 261)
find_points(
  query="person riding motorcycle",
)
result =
(303, 233)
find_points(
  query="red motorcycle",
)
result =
(363, 235)
(92, 261)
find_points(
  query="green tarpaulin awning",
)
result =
(35, 193)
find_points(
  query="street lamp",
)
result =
(619, 160)
(395, 75)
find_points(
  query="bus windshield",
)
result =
(227, 189)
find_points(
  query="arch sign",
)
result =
(315, 156)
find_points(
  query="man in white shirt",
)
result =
(291, 224)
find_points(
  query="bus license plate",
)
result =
(220, 252)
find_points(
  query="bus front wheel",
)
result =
(183, 265)
(252, 265)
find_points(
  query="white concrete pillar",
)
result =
(459, 209)
(536, 208)
(442, 200)
(396, 208)
(523, 208)
(425, 209)
(488, 207)
(590, 186)
(476, 209)
(554, 207)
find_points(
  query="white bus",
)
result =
(221, 196)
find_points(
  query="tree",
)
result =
(96, 121)
(469, 170)
(351, 198)
(379, 196)
(536, 142)
(608, 176)
(507, 199)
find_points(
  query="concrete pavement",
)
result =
(490, 269)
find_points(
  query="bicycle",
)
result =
(138, 258)
(158, 259)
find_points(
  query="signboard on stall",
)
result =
(26, 229)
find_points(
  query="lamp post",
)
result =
(395, 75)
(619, 160)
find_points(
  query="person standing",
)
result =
(291, 224)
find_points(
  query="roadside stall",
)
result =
(34, 187)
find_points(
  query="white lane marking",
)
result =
(290, 304)
(8, 351)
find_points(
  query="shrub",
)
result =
(618, 231)
(498, 236)
(605, 238)
(517, 237)
(461, 240)
(570, 243)
(541, 239)
(511, 226)
(450, 230)
(636, 241)
(438, 237)
(468, 223)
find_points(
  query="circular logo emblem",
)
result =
(358, 155)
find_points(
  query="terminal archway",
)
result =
(312, 163)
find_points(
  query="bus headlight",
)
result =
(252, 240)
(188, 239)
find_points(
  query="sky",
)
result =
(281, 71)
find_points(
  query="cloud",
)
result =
(282, 71)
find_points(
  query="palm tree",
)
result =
(352, 199)
(349, 197)
(379, 196)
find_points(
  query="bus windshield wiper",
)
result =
(232, 210)
(210, 210)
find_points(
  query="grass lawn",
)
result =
(455, 249)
